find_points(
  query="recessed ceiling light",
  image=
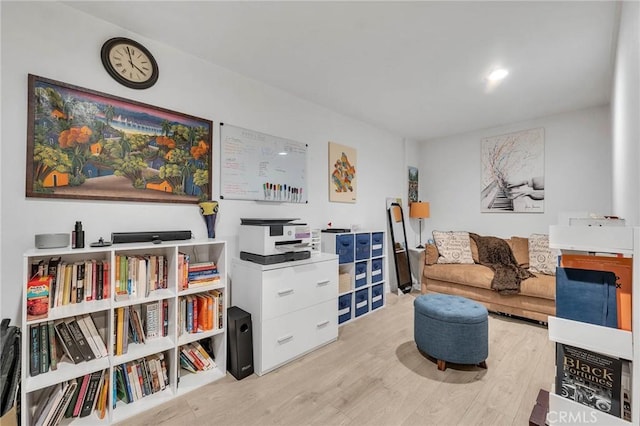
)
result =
(498, 74)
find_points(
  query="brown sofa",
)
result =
(535, 301)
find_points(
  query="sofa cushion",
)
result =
(541, 258)
(520, 248)
(453, 247)
(431, 254)
(543, 286)
(474, 275)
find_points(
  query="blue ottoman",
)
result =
(451, 329)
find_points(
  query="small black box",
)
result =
(239, 343)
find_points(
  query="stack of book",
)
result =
(76, 337)
(139, 323)
(194, 358)
(72, 282)
(137, 379)
(201, 312)
(202, 274)
(74, 398)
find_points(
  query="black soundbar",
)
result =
(154, 237)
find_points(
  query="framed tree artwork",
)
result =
(343, 180)
(513, 172)
(85, 144)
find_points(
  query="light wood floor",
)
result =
(374, 375)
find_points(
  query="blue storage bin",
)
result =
(377, 296)
(363, 246)
(344, 308)
(361, 274)
(376, 271)
(377, 244)
(362, 302)
(345, 248)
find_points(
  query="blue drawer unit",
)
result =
(363, 246)
(344, 308)
(377, 296)
(376, 271)
(362, 302)
(377, 244)
(345, 248)
(361, 274)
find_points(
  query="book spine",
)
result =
(99, 281)
(44, 347)
(87, 336)
(68, 343)
(81, 395)
(53, 350)
(92, 390)
(53, 273)
(34, 367)
(165, 317)
(76, 333)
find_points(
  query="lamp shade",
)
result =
(419, 210)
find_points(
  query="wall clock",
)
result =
(129, 63)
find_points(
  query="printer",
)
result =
(269, 241)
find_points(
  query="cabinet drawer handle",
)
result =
(285, 292)
(323, 282)
(322, 324)
(285, 338)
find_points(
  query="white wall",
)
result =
(54, 41)
(577, 175)
(625, 107)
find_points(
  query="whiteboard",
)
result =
(257, 166)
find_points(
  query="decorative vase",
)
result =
(209, 211)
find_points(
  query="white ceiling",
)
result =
(414, 68)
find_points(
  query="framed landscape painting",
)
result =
(85, 144)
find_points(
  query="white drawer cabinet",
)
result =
(293, 306)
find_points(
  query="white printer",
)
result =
(269, 241)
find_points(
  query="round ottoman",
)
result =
(451, 329)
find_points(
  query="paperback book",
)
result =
(589, 378)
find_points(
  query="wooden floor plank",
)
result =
(374, 375)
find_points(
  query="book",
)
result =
(622, 267)
(99, 281)
(92, 390)
(151, 315)
(53, 273)
(87, 336)
(73, 399)
(120, 330)
(66, 295)
(69, 345)
(101, 405)
(626, 390)
(61, 409)
(106, 279)
(59, 283)
(589, 378)
(44, 347)
(38, 297)
(81, 395)
(95, 335)
(78, 337)
(53, 351)
(34, 348)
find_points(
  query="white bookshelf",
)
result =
(180, 381)
(605, 340)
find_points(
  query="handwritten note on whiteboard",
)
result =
(257, 166)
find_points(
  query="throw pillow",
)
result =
(431, 254)
(520, 249)
(541, 258)
(453, 247)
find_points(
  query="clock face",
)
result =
(129, 63)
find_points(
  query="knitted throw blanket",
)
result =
(496, 254)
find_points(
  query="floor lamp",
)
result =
(419, 210)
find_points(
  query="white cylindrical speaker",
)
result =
(52, 240)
